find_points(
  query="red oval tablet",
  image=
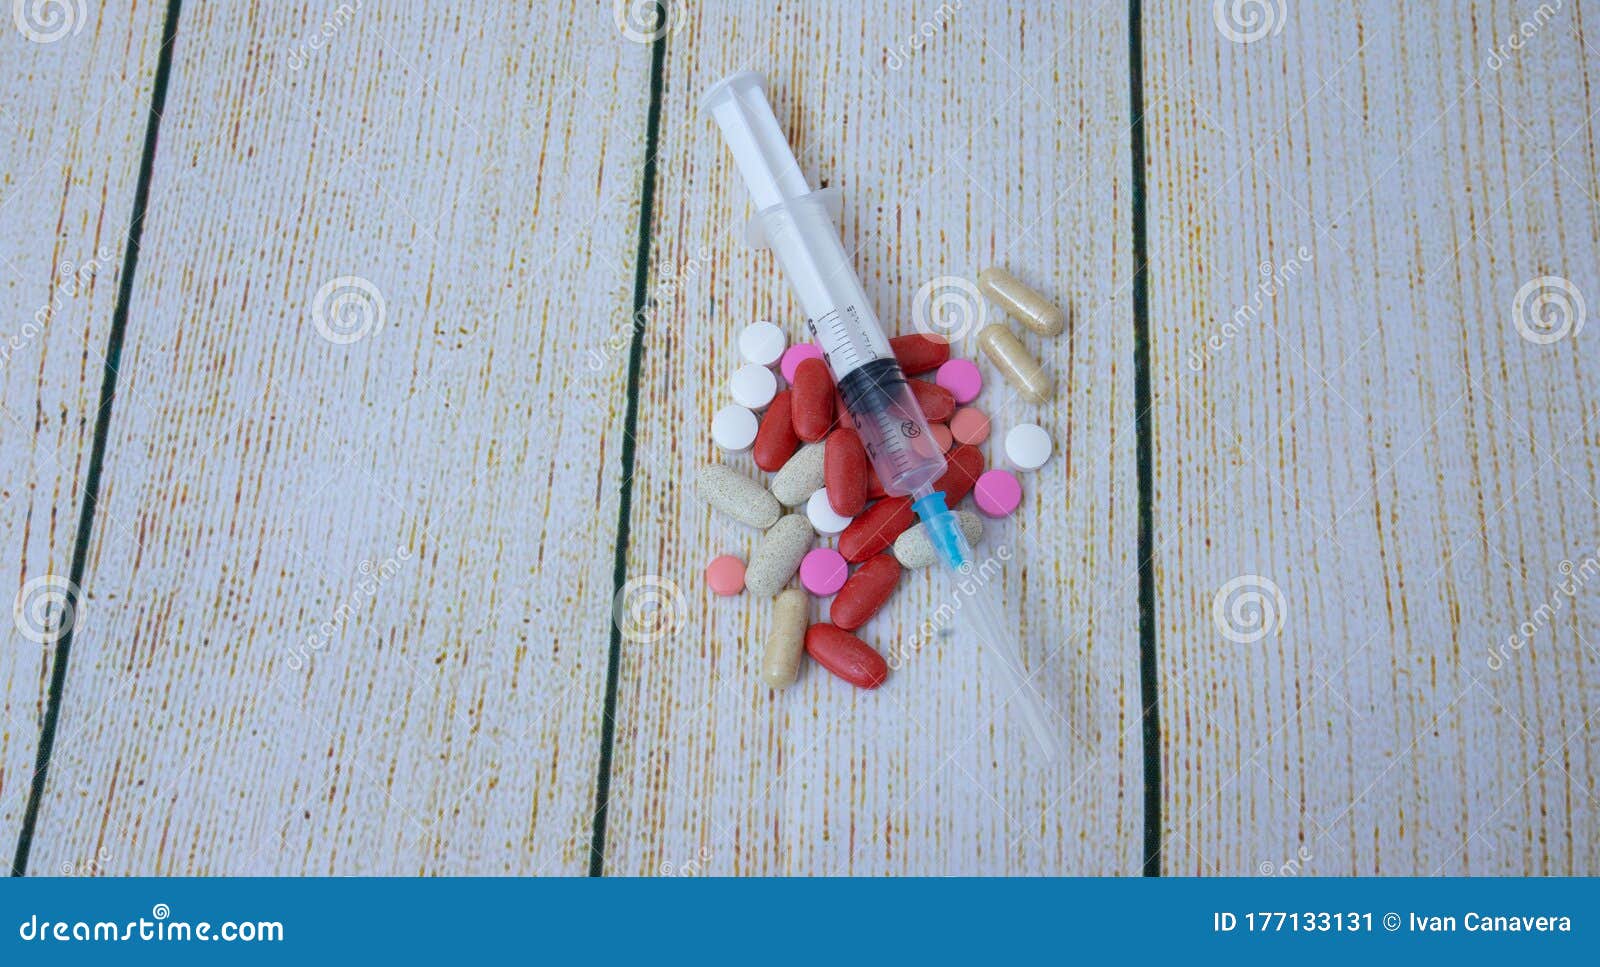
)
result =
(919, 353)
(865, 592)
(775, 440)
(845, 472)
(876, 528)
(811, 403)
(937, 402)
(846, 656)
(963, 466)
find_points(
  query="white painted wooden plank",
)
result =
(72, 121)
(1371, 434)
(961, 137)
(355, 592)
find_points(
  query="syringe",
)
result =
(797, 224)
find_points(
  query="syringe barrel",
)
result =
(796, 224)
(803, 236)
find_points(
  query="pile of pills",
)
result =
(822, 484)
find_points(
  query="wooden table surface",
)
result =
(357, 358)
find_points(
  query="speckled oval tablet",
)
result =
(736, 495)
(803, 475)
(961, 378)
(725, 574)
(997, 493)
(823, 571)
(778, 555)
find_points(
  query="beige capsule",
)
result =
(786, 642)
(1015, 363)
(778, 555)
(1031, 309)
(738, 496)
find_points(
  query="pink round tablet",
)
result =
(969, 425)
(795, 355)
(725, 574)
(961, 378)
(823, 570)
(941, 435)
(997, 493)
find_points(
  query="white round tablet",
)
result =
(753, 386)
(734, 428)
(824, 519)
(762, 343)
(1028, 446)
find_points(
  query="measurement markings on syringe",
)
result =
(841, 349)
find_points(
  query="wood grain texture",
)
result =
(961, 136)
(1342, 214)
(353, 595)
(72, 120)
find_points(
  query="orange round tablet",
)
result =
(969, 425)
(725, 574)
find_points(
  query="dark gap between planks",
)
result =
(630, 422)
(1149, 694)
(102, 428)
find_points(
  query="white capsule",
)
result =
(762, 343)
(734, 428)
(753, 386)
